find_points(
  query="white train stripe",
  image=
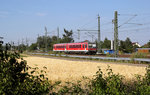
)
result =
(72, 50)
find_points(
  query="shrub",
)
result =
(138, 55)
(14, 78)
(111, 84)
(72, 89)
(142, 85)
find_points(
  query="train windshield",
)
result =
(92, 45)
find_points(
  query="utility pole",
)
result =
(38, 42)
(22, 41)
(116, 34)
(46, 39)
(99, 40)
(78, 34)
(26, 41)
(18, 44)
(58, 34)
(92, 37)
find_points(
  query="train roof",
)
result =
(143, 48)
(71, 43)
(74, 43)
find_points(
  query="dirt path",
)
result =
(61, 69)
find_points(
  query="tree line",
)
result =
(45, 43)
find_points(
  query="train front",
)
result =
(92, 48)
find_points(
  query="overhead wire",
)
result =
(129, 28)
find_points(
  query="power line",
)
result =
(137, 29)
(86, 24)
(127, 20)
(99, 39)
(46, 39)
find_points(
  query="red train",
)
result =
(82, 47)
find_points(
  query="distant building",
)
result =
(143, 50)
(108, 51)
(136, 43)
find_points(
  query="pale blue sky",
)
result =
(21, 19)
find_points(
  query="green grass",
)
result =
(23, 55)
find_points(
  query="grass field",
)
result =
(64, 70)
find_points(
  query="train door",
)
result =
(85, 46)
(82, 46)
(65, 47)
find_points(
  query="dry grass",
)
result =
(64, 70)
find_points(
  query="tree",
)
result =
(106, 44)
(147, 45)
(129, 46)
(126, 46)
(67, 37)
(134, 48)
(42, 41)
(33, 46)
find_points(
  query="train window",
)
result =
(90, 45)
(94, 45)
(85, 45)
(78, 46)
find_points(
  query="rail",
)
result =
(100, 58)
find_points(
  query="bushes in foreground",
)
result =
(16, 79)
(109, 84)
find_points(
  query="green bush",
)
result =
(111, 84)
(15, 78)
(72, 89)
(142, 84)
(138, 55)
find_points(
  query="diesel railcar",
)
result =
(81, 47)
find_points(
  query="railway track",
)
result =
(147, 60)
